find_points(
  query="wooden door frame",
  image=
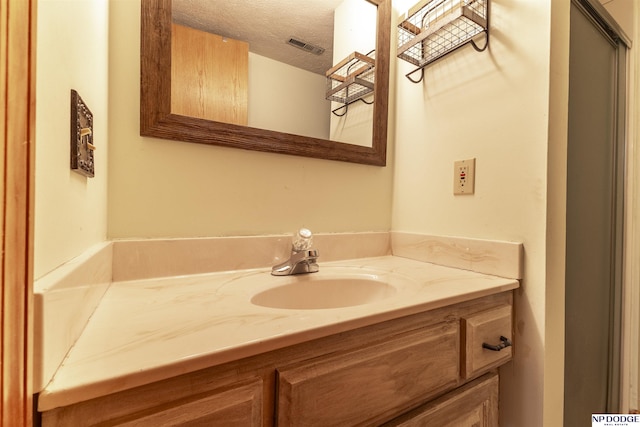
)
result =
(17, 127)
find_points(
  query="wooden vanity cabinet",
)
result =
(424, 366)
(370, 384)
(488, 327)
(475, 404)
(191, 400)
(240, 405)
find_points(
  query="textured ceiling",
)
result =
(266, 25)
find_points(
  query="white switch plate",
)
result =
(464, 176)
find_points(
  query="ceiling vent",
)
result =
(311, 48)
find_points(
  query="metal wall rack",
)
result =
(351, 80)
(433, 28)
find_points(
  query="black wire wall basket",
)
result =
(351, 80)
(433, 28)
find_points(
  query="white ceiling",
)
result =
(266, 25)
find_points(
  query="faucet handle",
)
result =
(302, 239)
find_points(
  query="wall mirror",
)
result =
(158, 118)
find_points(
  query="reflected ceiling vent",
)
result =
(311, 48)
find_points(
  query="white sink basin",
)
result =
(331, 287)
(325, 293)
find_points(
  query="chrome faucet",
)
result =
(303, 258)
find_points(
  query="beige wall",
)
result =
(627, 14)
(287, 99)
(492, 106)
(160, 188)
(634, 251)
(72, 53)
(622, 11)
(354, 31)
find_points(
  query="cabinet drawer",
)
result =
(486, 327)
(474, 404)
(240, 405)
(371, 384)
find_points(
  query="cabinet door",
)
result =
(372, 384)
(240, 405)
(486, 327)
(473, 405)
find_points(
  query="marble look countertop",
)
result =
(148, 330)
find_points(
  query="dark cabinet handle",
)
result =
(504, 343)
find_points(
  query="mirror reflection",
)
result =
(159, 119)
(264, 64)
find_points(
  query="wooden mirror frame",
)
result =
(156, 119)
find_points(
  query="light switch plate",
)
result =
(81, 136)
(464, 174)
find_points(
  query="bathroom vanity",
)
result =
(201, 349)
(428, 364)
